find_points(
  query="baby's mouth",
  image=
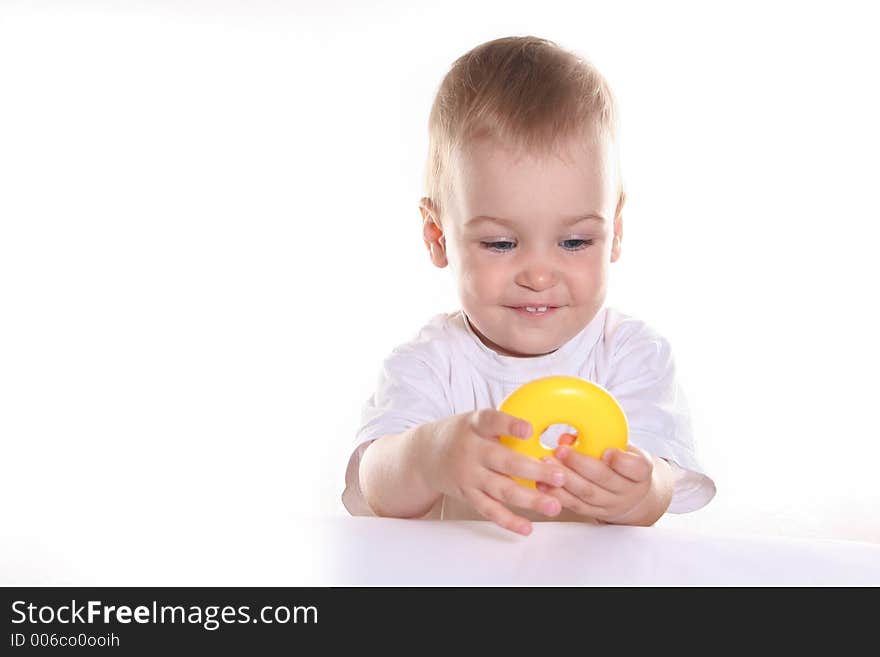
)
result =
(534, 311)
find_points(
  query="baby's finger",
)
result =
(587, 491)
(489, 423)
(579, 506)
(596, 471)
(566, 439)
(508, 491)
(506, 461)
(635, 464)
(499, 514)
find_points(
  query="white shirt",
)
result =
(447, 370)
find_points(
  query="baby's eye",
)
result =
(576, 244)
(500, 245)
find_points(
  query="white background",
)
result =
(209, 239)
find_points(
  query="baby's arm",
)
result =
(403, 475)
(388, 478)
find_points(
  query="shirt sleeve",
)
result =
(409, 393)
(643, 380)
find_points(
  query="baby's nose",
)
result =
(537, 277)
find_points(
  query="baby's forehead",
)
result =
(571, 149)
(577, 178)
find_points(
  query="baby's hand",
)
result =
(621, 487)
(463, 457)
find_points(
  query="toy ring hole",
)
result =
(550, 438)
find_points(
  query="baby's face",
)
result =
(530, 241)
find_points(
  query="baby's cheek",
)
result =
(482, 281)
(589, 283)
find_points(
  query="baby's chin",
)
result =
(520, 342)
(523, 347)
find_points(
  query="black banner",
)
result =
(148, 620)
(144, 620)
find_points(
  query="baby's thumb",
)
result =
(490, 423)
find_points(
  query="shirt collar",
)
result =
(564, 361)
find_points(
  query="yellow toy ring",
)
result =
(595, 414)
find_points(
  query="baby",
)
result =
(523, 203)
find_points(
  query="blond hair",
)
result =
(527, 92)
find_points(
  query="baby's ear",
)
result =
(617, 238)
(432, 233)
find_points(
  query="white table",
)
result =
(341, 550)
(381, 551)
